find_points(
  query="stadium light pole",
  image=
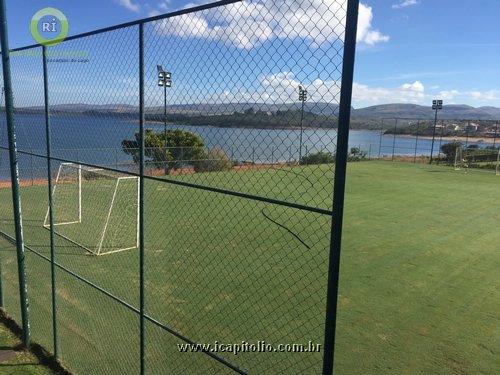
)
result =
(437, 105)
(164, 80)
(303, 99)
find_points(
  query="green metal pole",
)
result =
(14, 175)
(394, 139)
(301, 131)
(165, 126)
(141, 199)
(416, 143)
(339, 186)
(1, 287)
(433, 135)
(51, 210)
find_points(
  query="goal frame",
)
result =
(98, 251)
(458, 158)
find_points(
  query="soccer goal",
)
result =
(459, 158)
(95, 209)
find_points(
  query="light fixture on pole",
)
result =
(302, 99)
(437, 105)
(165, 81)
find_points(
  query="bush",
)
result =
(317, 158)
(450, 149)
(356, 155)
(214, 160)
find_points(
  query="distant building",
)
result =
(471, 128)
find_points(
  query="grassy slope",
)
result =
(417, 292)
(22, 362)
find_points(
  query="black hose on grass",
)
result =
(295, 235)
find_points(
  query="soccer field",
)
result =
(419, 285)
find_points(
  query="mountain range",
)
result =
(396, 110)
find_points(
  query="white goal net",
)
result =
(95, 209)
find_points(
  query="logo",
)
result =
(49, 26)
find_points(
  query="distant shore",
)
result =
(451, 139)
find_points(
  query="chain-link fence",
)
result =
(208, 203)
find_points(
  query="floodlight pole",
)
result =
(164, 79)
(165, 127)
(436, 105)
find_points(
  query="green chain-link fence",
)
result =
(198, 214)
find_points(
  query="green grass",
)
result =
(418, 293)
(17, 361)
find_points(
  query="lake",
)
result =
(97, 140)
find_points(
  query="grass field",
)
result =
(419, 285)
(16, 361)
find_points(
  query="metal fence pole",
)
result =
(380, 140)
(339, 185)
(141, 198)
(440, 142)
(51, 210)
(495, 136)
(32, 169)
(14, 175)
(416, 143)
(394, 139)
(467, 134)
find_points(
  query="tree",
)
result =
(450, 149)
(182, 147)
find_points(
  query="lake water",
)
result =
(97, 140)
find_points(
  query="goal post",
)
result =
(459, 158)
(95, 209)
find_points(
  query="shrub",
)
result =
(317, 158)
(356, 154)
(214, 160)
(449, 150)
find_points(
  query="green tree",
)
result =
(183, 147)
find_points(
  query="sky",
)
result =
(409, 51)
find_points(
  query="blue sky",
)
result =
(409, 50)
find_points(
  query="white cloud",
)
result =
(366, 33)
(164, 5)
(129, 5)
(406, 93)
(248, 24)
(405, 3)
(486, 96)
(448, 95)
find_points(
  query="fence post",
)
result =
(416, 143)
(394, 139)
(51, 211)
(380, 141)
(440, 142)
(32, 168)
(495, 136)
(141, 198)
(339, 185)
(370, 152)
(467, 134)
(14, 175)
